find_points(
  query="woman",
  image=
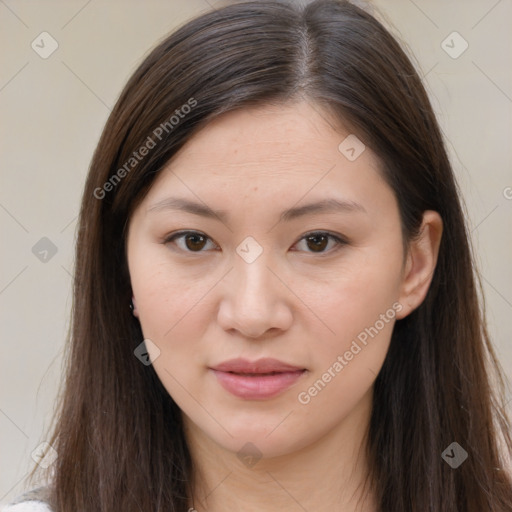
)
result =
(274, 290)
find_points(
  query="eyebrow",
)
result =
(329, 205)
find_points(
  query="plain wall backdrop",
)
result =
(54, 106)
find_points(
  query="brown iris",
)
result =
(195, 242)
(319, 242)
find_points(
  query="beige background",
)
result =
(54, 109)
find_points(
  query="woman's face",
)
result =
(264, 239)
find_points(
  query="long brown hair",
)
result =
(118, 433)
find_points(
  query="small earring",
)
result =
(131, 306)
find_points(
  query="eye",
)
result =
(195, 241)
(189, 241)
(319, 241)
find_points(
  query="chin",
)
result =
(258, 438)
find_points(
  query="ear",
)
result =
(134, 308)
(420, 263)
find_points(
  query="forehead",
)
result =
(286, 137)
(278, 153)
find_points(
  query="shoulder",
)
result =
(32, 501)
(27, 506)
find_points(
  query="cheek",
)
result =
(356, 295)
(167, 299)
(173, 313)
(176, 307)
(359, 307)
(163, 290)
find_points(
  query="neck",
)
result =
(326, 475)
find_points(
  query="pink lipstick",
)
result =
(256, 380)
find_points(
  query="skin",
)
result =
(292, 303)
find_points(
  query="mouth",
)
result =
(258, 380)
(256, 374)
(265, 365)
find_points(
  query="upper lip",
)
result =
(265, 365)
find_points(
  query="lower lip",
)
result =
(259, 387)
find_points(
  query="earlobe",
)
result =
(133, 307)
(421, 263)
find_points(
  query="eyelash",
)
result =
(340, 241)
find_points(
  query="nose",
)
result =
(254, 300)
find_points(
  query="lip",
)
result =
(256, 380)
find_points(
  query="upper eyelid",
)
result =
(179, 234)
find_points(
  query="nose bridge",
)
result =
(252, 277)
(253, 300)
